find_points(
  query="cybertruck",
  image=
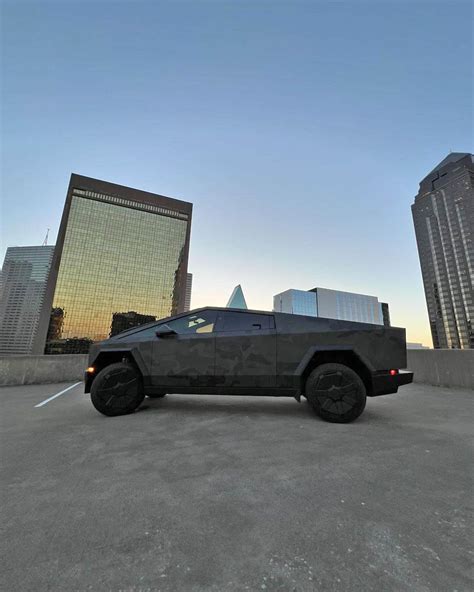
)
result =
(334, 364)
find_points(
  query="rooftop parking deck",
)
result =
(215, 493)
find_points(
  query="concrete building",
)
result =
(22, 291)
(443, 215)
(333, 304)
(189, 288)
(118, 249)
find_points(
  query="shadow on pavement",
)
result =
(241, 406)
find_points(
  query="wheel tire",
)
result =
(336, 393)
(157, 396)
(117, 389)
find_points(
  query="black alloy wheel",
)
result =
(336, 392)
(117, 389)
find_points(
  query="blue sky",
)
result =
(300, 131)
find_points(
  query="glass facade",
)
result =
(443, 216)
(358, 307)
(189, 287)
(22, 290)
(120, 266)
(305, 303)
(296, 302)
(237, 299)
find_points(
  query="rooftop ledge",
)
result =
(438, 367)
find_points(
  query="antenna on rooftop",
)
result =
(45, 242)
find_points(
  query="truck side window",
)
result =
(202, 322)
(243, 321)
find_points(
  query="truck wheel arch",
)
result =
(348, 356)
(112, 356)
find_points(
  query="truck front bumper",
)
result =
(383, 383)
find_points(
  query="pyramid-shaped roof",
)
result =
(237, 299)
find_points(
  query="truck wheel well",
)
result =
(348, 358)
(105, 359)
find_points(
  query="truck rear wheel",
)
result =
(117, 389)
(336, 393)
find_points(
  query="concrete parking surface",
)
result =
(233, 493)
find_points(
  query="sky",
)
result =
(299, 130)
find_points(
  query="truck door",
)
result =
(186, 357)
(245, 350)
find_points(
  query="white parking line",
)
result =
(57, 395)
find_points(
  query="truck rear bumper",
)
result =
(383, 383)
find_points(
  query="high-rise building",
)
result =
(24, 276)
(331, 304)
(118, 249)
(189, 287)
(237, 298)
(443, 215)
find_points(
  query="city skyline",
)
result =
(428, 341)
(302, 152)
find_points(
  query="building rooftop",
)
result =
(436, 179)
(451, 158)
(246, 493)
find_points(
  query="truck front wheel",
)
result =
(117, 389)
(336, 393)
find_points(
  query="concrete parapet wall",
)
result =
(16, 370)
(439, 367)
(442, 367)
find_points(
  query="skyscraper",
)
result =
(443, 215)
(119, 250)
(189, 287)
(332, 304)
(24, 274)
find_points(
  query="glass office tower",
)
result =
(22, 291)
(119, 251)
(443, 215)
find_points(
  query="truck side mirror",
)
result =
(165, 331)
